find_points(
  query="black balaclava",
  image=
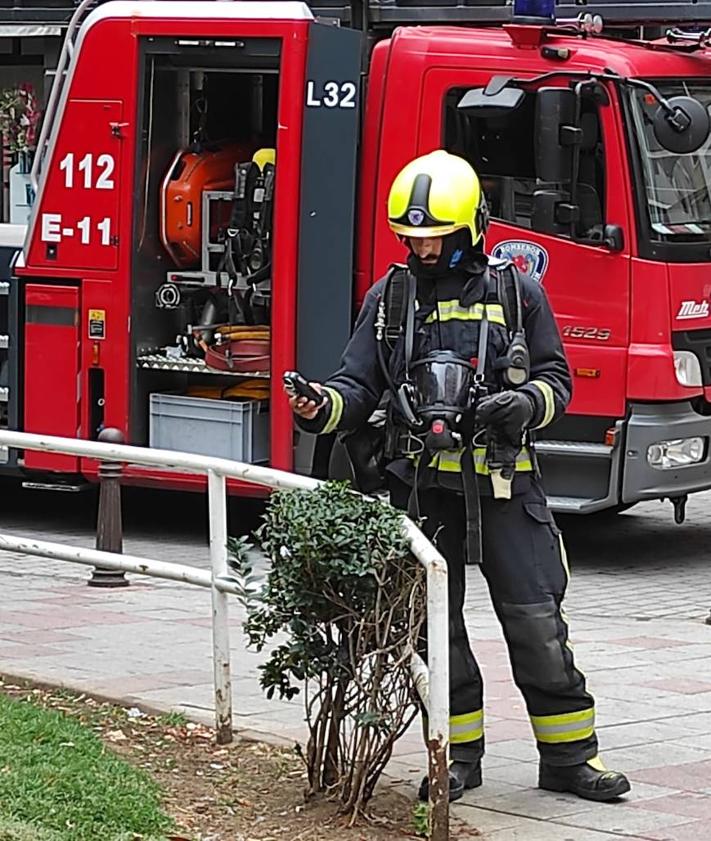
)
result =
(459, 259)
(454, 247)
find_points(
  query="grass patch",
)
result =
(16, 831)
(246, 791)
(59, 782)
(172, 719)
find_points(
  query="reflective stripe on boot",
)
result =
(466, 728)
(564, 727)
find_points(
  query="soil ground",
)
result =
(246, 791)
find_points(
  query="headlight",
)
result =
(687, 368)
(666, 455)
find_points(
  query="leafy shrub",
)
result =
(345, 602)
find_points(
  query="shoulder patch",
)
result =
(529, 258)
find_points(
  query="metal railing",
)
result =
(432, 680)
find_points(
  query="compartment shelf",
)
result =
(159, 362)
(4, 341)
(4, 287)
(4, 394)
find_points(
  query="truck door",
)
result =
(588, 284)
(78, 221)
(52, 369)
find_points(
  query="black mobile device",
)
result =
(297, 386)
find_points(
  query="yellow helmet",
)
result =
(435, 195)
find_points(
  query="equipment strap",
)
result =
(472, 506)
(470, 486)
(483, 343)
(411, 282)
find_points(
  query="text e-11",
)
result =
(53, 230)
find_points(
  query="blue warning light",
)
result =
(543, 10)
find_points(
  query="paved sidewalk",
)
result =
(641, 589)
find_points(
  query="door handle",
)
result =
(116, 129)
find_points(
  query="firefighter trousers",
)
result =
(526, 570)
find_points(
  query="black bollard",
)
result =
(109, 526)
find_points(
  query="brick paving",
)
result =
(641, 589)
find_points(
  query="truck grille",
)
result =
(698, 342)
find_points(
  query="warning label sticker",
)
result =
(97, 324)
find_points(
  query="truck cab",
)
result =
(626, 266)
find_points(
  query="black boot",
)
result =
(586, 780)
(462, 775)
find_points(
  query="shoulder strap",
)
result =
(483, 335)
(508, 293)
(396, 311)
(410, 295)
(395, 296)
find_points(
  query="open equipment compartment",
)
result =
(201, 280)
(152, 294)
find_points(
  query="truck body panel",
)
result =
(86, 213)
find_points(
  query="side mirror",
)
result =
(556, 134)
(683, 126)
(552, 212)
(613, 237)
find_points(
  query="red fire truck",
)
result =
(210, 209)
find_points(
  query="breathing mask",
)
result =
(440, 390)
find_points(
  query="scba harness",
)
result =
(396, 313)
(434, 408)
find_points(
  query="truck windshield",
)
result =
(677, 187)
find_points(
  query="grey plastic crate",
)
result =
(236, 429)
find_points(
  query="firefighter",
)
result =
(470, 360)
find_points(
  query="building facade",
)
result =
(31, 34)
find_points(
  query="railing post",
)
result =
(438, 712)
(109, 526)
(217, 507)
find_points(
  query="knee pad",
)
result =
(536, 637)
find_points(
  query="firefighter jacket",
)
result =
(448, 316)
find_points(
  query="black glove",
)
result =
(501, 453)
(508, 412)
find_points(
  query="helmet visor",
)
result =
(408, 232)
